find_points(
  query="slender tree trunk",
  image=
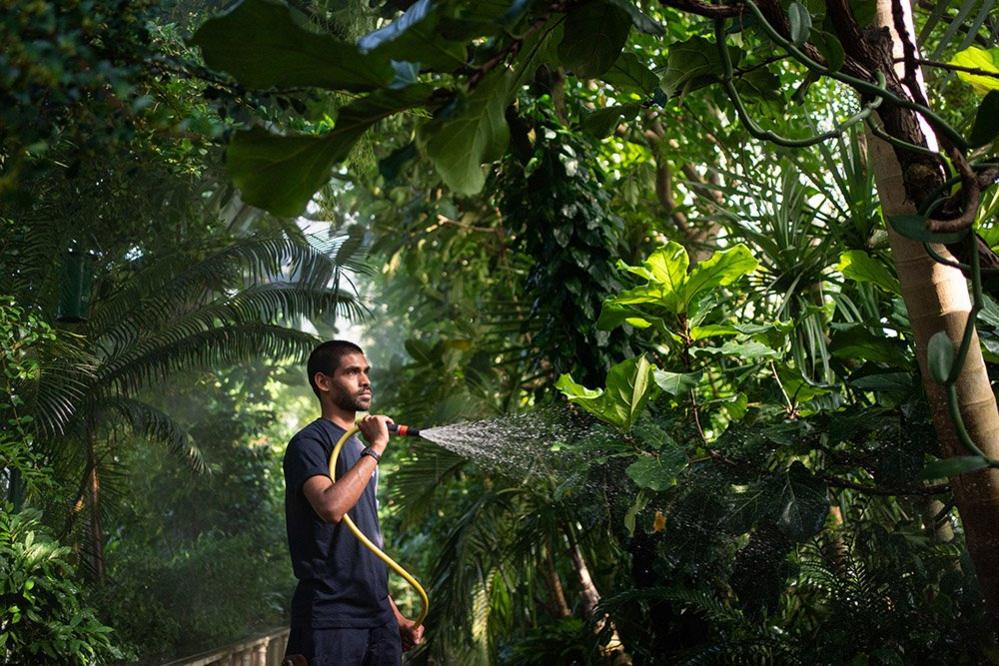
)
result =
(554, 582)
(937, 299)
(94, 492)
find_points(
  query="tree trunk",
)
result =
(937, 299)
(94, 492)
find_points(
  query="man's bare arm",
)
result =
(331, 501)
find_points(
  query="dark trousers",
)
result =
(379, 646)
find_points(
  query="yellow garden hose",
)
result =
(367, 542)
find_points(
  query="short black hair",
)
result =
(326, 359)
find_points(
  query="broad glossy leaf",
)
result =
(940, 356)
(760, 86)
(601, 123)
(694, 64)
(414, 37)
(954, 466)
(859, 266)
(749, 350)
(856, 342)
(281, 173)
(979, 58)
(668, 266)
(800, 23)
(830, 47)
(613, 315)
(719, 270)
(802, 503)
(628, 385)
(914, 227)
(676, 383)
(624, 397)
(628, 74)
(639, 19)
(658, 472)
(470, 133)
(885, 382)
(986, 127)
(595, 33)
(261, 46)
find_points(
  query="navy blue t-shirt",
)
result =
(340, 582)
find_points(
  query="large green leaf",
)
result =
(595, 33)
(954, 466)
(628, 74)
(857, 342)
(676, 383)
(658, 472)
(622, 401)
(613, 315)
(414, 37)
(693, 64)
(281, 173)
(859, 266)
(719, 270)
(802, 503)
(261, 46)
(978, 58)
(639, 19)
(986, 127)
(601, 123)
(471, 132)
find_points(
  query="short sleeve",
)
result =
(306, 457)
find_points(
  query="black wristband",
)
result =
(368, 451)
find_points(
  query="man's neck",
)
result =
(341, 417)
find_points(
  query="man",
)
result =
(341, 613)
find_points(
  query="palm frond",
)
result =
(146, 420)
(157, 357)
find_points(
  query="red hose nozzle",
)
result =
(403, 430)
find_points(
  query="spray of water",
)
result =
(526, 446)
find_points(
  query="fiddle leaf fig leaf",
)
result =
(628, 74)
(676, 383)
(281, 173)
(802, 503)
(601, 123)
(986, 60)
(414, 37)
(859, 266)
(469, 133)
(595, 33)
(658, 472)
(628, 389)
(261, 46)
(719, 270)
(694, 64)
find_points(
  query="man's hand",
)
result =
(375, 430)
(410, 634)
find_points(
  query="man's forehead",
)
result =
(353, 360)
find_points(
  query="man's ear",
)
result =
(322, 381)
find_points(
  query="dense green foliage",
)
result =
(541, 204)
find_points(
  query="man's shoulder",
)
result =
(311, 435)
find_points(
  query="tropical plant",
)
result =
(45, 619)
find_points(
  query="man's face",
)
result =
(350, 388)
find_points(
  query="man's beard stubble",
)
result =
(351, 403)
